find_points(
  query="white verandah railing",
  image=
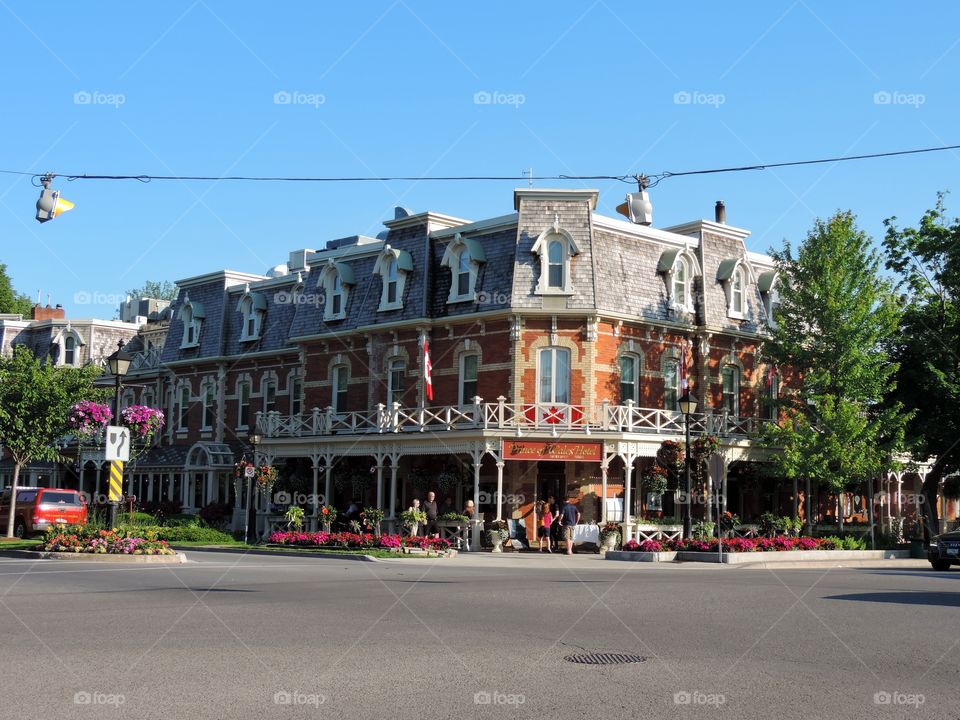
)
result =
(502, 415)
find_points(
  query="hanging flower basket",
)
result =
(266, 476)
(448, 480)
(671, 455)
(655, 480)
(705, 446)
(87, 418)
(419, 479)
(143, 421)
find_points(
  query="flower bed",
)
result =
(779, 543)
(104, 542)
(355, 541)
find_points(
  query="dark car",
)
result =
(39, 508)
(944, 550)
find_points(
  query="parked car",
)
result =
(39, 508)
(944, 550)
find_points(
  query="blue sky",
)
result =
(384, 87)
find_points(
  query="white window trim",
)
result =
(404, 267)
(671, 368)
(464, 401)
(451, 259)
(270, 379)
(390, 388)
(61, 342)
(248, 308)
(692, 272)
(181, 414)
(541, 247)
(206, 387)
(638, 370)
(334, 385)
(554, 350)
(244, 382)
(328, 275)
(735, 412)
(293, 378)
(190, 320)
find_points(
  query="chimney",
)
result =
(720, 212)
(39, 312)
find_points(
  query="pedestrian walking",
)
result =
(430, 508)
(570, 517)
(546, 520)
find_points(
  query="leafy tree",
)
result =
(165, 290)
(35, 398)
(836, 316)
(10, 300)
(926, 260)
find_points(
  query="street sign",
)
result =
(116, 481)
(118, 444)
(249, 471)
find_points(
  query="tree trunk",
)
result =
(930, 490)
(11, 520)
(840, 513)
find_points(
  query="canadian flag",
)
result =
(427, 369)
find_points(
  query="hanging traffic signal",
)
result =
(50, 204)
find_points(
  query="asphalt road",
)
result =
(228, 636)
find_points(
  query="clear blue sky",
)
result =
(768, 81)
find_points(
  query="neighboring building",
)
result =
(66, 342)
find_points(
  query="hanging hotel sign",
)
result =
(564, 451)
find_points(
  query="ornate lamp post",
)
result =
(119, 364)
(248, 481)
(688, 406)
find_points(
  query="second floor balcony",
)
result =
(513, 418)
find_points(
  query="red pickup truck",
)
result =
(39, 508)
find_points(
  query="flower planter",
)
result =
(609, 542)
(637, 556)
(652, 531)
(786, 556)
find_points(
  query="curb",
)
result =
(179, 558)
(281, 553)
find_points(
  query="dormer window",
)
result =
(393, 266)
(732, 273)
(556, 247)
(767, 285)
(336, 279)
(679, 267)
(252, 308)
(69, 351)
(463, 256)
(65, 347)
(192, 316)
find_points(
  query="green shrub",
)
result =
(136, 518)
(188, 533)
(183, 520)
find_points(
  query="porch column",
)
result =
(380, 483)
(170, 483)
(500, 465)
(150, 481)
(477, 457)
(603, 491)
(315, 490)
(627, 497)
(327, 480)
(212, 489)
(394, 469)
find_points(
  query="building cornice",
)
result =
(501, 222)
(588, 195)
(231, 277)
(698, 226)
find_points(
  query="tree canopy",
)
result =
(836, 317)
(10, 300)
(157, 290)
(926, 260)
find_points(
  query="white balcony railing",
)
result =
(501, 415)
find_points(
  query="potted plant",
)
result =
(294, 518)
(412, 520)
(328, 516)
(497, 535)
(372, 517)
(610, 536)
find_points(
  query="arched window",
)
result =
(295, 392)
(391, 279)
(191, 315)
(396, 370)
(243, 404)
(671, 385)
(681, 285)
(209, 405)
(463, 256)
(629, 378)
(393, 266)
(336, 278)
(269, 395)
(252, 308)
(731, 390)
(336, 296)
(339, 380)
(554, 375)
(556, 247)
(736, 293)
(69, 351)
(468, 377)
(463, 274)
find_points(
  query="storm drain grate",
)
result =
(605, 658)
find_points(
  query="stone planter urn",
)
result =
(609, 541)
(496, 540)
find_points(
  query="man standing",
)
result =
(430, 508)
(570, 517)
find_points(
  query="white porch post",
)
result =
(380, 482)
(627, 497)
(394, 462)
(315, 490)
(500, 465)
(603, 491)
(475, 530)
(327, 480)
(150, 488)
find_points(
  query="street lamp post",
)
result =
(119, 363)
(688, 406)
(254, 441)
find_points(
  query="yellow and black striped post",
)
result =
(116, 481)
